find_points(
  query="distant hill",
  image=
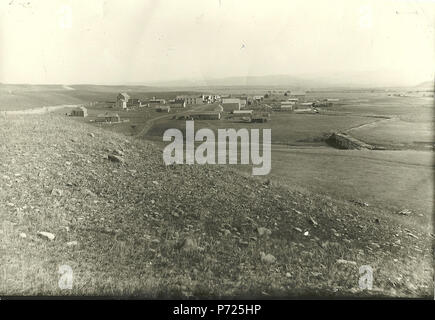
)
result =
(427, 84)
(368, 79)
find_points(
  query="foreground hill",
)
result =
(138, 227)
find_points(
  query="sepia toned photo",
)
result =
(217, 149)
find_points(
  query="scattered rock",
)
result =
(374, 244)
(23, 235)
(348, 262)
(178, 212)
(298, 229)
(360, 203)
(56, 192)
(155, 182)
(405, 212)
(91, 134)
(264, 231)
(412, 235)
(87, 192)
(115, 158)
(189, 245)
(313, 222)
(268, 258)
(244, 243)
(175, 214)
(72, 243)
(118, 152)
(46, 235)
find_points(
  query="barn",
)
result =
(79, 112)
(108, 117)
(134, 103)
(231, 104)
(163, 109)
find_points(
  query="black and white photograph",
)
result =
(217, 150)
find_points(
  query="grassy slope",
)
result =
(17, 97)
(101, 201)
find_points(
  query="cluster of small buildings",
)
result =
(236, 106)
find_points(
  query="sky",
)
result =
(150, 41)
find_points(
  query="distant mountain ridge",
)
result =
(367, 79)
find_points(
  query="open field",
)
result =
(389, 181)
(287, 128)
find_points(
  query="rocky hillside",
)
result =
(106, 206)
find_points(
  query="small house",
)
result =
(177, 103)
(230, 104)
(163, 109)
(205, 116)
(79, 112)
(108, 117)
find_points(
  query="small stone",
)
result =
(306, 233)
(298, 229)
(244, 243)
(264, 231)
(46, 235)
(155, 182)
(87, 192)
(56, 192)
(342, 261)
(72, 243)
(405, 212)
(189, 245)
(91, 134)
(23, 235)
(118, 152)
(412, 235)
(268, 258)
(115, 158)
(313, 222)
(374, 244)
